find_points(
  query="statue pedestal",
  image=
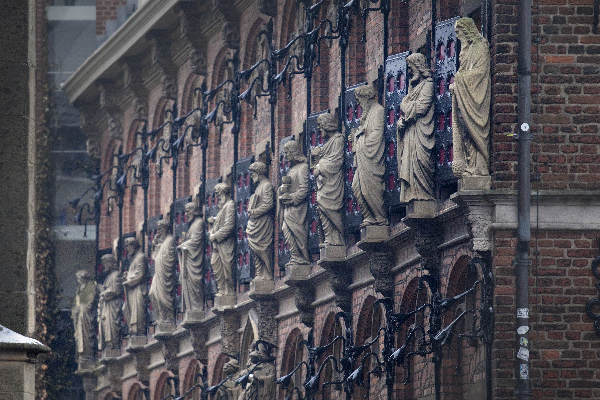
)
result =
(111, 353)
(224, 302)
(331, 252)
(164, 329)
(193, 317)
(136, 343)
(296, 273)
(374, 233)
(421, 209)
(261, 288)
(86, 365)
(467, 183)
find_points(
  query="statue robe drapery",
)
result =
(471, 109)
(260, 228)
(163, 281)
(112, 301)
(295, 222)
(415, 144)
(134, 308)
(190, 254)
(83, 317)
(330, 188)
(223, 246)
(368, 184)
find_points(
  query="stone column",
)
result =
(297, 276)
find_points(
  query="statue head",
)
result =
(108, 262)
(223, 190)
(417, 66)
(327, 122)
(257, 169)
(466, 30)
(365, 95)
(231, 367)
(192, 210)
(131, 244)
(82, 276)
(292, 152)
(162, 226)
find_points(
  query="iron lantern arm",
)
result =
(355, 377)
(313, 382)
(285, 379)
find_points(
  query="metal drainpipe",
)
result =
(522, 262)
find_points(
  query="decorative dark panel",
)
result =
(243, 190)
(395, 88)
(314, 225)
(352, 116)
(211, 208)
(446, 65)
(283, 250)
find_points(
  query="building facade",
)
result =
(188, 101)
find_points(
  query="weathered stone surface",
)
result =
(163, 282)
(260, 223)
(222, 237)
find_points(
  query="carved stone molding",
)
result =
(267, 325)
(230, 341)
(199, 336)
(170, 348)
(268, 7)
(479, 212)
(190, 34)
(111, 110)
(114, 371)
(428, 237)
(380, 264)
(304, 297)
(142, 362)
(161, 61)
(231, 35)
(134, 87)
(340, 278)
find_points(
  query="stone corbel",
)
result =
(114, 370)
(160, 58)
(111, 110)
(297, 276)
(381, 261)
(199, 336)
(340, 278)
(479, 212)
(230, 341)
(142, 362)
(428, 237)
(231, 35)
(134, 87)
(266, 309)
(190, 34)
(89, 125)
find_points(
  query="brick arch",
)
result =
(163, 387)
(398, 27)
(249, 335)
(136, 392)
(331, 329)
(109, 223)
(217, 372)
(293, 353)
(191, 378)
(369, 321)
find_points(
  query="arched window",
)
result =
(331, 329)
(164, 387)
(248, 337)
(370, 319)
(191, 378)
(136, 392)
(398, 27)
(293, 354)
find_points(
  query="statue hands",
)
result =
(285, 199)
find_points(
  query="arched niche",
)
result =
(249, 335)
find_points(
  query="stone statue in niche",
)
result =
(471, 96)
(135, 288)
(260, 222)
(83, 315)
(261, 374)
(416, 139)
(109, 305)
(190, 254)
(222, 237)
(328, 161)
(369, 147)
(292, 195)
(229, 390)
(163, 282)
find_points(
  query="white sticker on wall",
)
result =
(524, 342)
(522, 312)
(523, 354)
(522, 329)
(524, 371)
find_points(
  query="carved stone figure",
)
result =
(83, 315)
(109, 305)
(190, 254)
(134, 308)
(163, 282)
(229, 390)
(261, 370)
(292, 196)
(415, 133)
(369, 146)
(260, 222)
(471, 96)
(222, 238)
(330, 179)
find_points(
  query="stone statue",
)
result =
(109, 305)
(369, 146)
(163, 282)
(261, 378)
(83, 316)
(222, 237)
(415, 133)
(330, 180)
(292, 196)
(260, 222)
(229, 390)
(471, 96)
(135, 287)
(190, 254)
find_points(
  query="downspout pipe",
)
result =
(522, 262)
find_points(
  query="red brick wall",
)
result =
(106, 10)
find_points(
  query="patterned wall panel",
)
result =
(243, 191)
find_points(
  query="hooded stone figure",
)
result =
(190, 254)
(369, 147)
(135, 286)
(260, 223)
(229, 390)
(83, 315)
(292, 195)
(471, 96)
(222, 238)
(109, 305)
(261, 379)
(330, 179)
(415, 133)
(163, 282)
